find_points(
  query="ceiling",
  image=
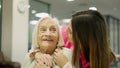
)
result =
(63, 9)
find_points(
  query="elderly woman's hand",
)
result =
(39, 64)
(59, 58)
(44, 58)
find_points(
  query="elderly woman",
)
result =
(45, 41)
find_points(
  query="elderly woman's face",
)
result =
(48, 36)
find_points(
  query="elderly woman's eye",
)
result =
(53, 29)
(42, 29)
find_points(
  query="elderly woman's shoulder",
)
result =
(28, 61)
(66, 49)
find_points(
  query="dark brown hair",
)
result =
(90, 38)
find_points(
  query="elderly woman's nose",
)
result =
(48, 32)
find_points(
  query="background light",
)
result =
(92, 8)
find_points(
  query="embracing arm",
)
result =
(63, 58)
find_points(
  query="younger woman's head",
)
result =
(89, 35)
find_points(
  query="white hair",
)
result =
(35, 33)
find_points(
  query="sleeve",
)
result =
(28, 62)
(68, 53)
(67, 65)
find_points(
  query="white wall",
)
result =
(6, 42)
(14, 31)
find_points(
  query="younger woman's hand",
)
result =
(59, 58)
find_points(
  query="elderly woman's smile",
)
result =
(48, 41)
